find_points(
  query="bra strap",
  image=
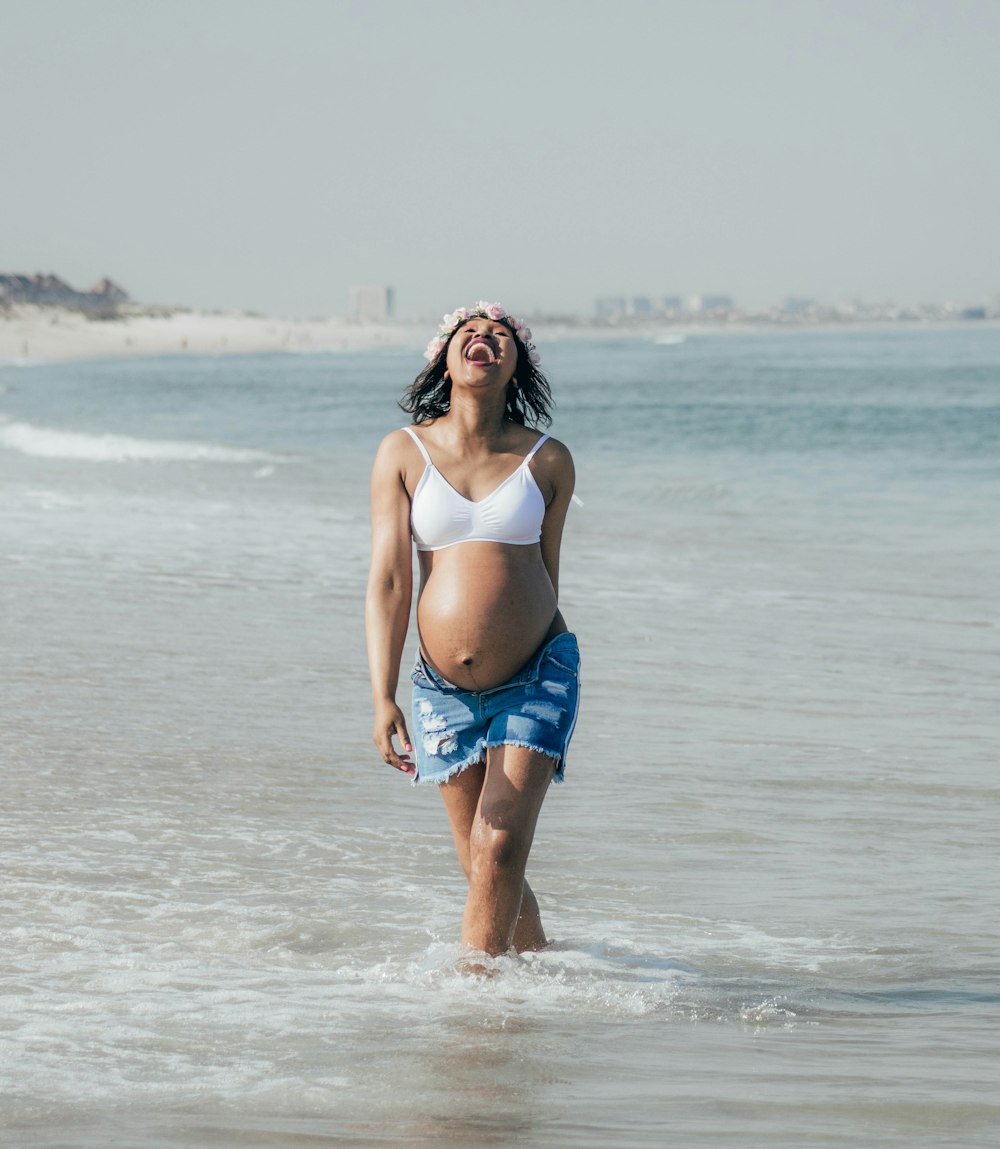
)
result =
(530, 454)
(423, 450)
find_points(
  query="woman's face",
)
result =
(482, 353)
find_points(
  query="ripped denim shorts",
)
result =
(537, 708)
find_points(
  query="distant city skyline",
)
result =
(253, 155)
(376, 304)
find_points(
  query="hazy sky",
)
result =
(269, 155)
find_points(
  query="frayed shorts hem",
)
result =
(480, 756)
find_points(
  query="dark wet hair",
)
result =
(429, 395)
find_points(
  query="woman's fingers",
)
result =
(383, 741)
(402, 733)
(402, 761)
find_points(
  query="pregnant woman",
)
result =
(483, 494)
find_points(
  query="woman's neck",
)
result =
(477, 418)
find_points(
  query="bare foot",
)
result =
(475, 963)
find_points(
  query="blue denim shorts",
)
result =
(537, 708)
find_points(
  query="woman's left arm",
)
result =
(561, 474)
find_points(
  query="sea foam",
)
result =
(50, 443)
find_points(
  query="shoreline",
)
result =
(33, 334)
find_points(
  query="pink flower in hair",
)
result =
(454, 319)
(433, 349)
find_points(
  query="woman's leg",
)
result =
(461, 797)
(493, 808)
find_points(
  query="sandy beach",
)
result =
(32, 333)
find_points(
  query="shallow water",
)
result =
(769, 877)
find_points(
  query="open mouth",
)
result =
(482, 351)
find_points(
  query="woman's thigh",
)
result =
(461, 801)
(516, 782)
(504, 794)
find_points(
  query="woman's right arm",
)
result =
(387, 603)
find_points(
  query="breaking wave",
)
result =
(50, 443)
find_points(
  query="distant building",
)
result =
(51, 290)
(799, 305)
(710, 303)
(646, 307)
(610, 307)
(372, 304)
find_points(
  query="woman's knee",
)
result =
(497, 848)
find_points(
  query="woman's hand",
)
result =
(389, 720)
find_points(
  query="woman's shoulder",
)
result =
(552, 463)
(399, 448)
(552, 450)
(403, 437)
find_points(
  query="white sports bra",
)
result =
(511, 513)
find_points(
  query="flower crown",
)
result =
(481, 310)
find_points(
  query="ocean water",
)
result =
(771, 877)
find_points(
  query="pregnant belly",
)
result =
(484, 609)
